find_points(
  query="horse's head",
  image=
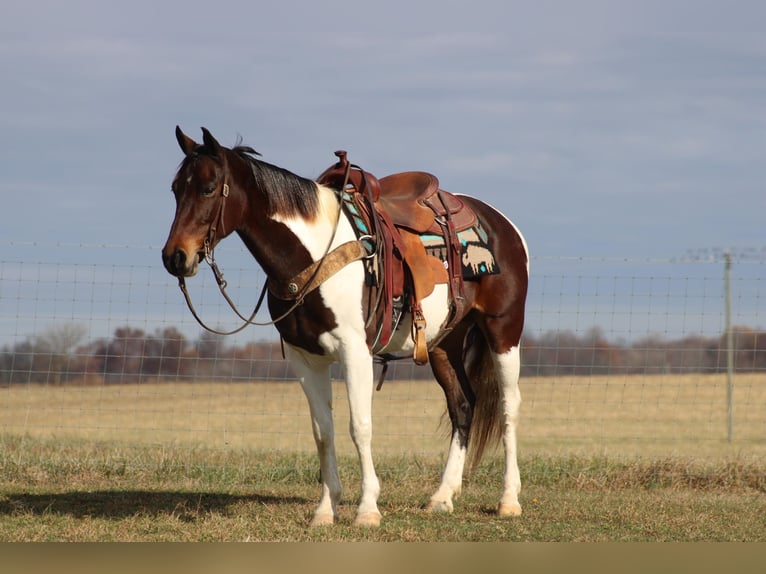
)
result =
(201, 188)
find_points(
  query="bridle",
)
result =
(209, 257)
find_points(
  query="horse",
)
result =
(289, 224)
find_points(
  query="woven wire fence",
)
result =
(630, 356)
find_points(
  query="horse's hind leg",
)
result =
(508, 366)
(447, 365)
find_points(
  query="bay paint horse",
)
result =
(290, 225)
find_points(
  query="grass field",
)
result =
(630, 458)
(86, 491)
(658, 415)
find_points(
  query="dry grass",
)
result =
(658, 415)
(635, 416)
(266, 416)
(602, 459)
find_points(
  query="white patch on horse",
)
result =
(342, 294)
(316, 233)
(435, 308)
(508, 366)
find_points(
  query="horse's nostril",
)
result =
(175, 262)
(179, 260)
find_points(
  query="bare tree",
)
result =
(54, 347)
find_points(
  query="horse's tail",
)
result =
(487, 422)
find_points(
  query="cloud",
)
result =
(587, 100)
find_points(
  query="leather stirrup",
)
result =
(420, 352)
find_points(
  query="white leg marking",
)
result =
(314, 375)
(508, 366)
(359, 385)
(452, 478)
(347, 343)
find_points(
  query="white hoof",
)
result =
(368, 519)
(509, 509)
(440, 506)
(322, 520)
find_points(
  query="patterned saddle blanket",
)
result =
(476, 256)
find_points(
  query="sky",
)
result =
(601, 128)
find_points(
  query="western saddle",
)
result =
(393, 212)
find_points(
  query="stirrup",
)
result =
(420, 352)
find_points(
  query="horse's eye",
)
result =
(208, 190)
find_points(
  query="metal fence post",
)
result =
(729, 351)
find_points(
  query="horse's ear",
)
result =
(187, 144)
(210, 142)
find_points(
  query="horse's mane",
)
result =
(287, 194)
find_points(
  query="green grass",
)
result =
(82, 490)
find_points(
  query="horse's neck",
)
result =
(316, 234)
(285, 245)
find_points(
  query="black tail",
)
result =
(486, 426)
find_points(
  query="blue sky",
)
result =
(602, 128)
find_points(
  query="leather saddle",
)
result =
(414, 201)
(397, 209)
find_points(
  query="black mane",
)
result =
(287, 194)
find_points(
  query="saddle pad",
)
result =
(477, 257)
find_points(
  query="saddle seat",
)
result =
(402, 195)
(413, 200)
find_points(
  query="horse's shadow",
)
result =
(119, 504)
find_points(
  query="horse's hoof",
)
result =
(440, 506)
(322, 520)
(509, 509)
(368, 519)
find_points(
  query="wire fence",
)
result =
(626, 356)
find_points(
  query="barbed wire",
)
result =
(735, 254)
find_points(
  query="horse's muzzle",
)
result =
(177, 263)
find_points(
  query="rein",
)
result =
(346, 253)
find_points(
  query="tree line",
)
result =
(59, 355)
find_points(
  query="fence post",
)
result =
(729, 352)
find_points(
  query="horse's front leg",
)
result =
(314, 375)
(359, 384)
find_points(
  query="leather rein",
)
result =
(296, 289)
